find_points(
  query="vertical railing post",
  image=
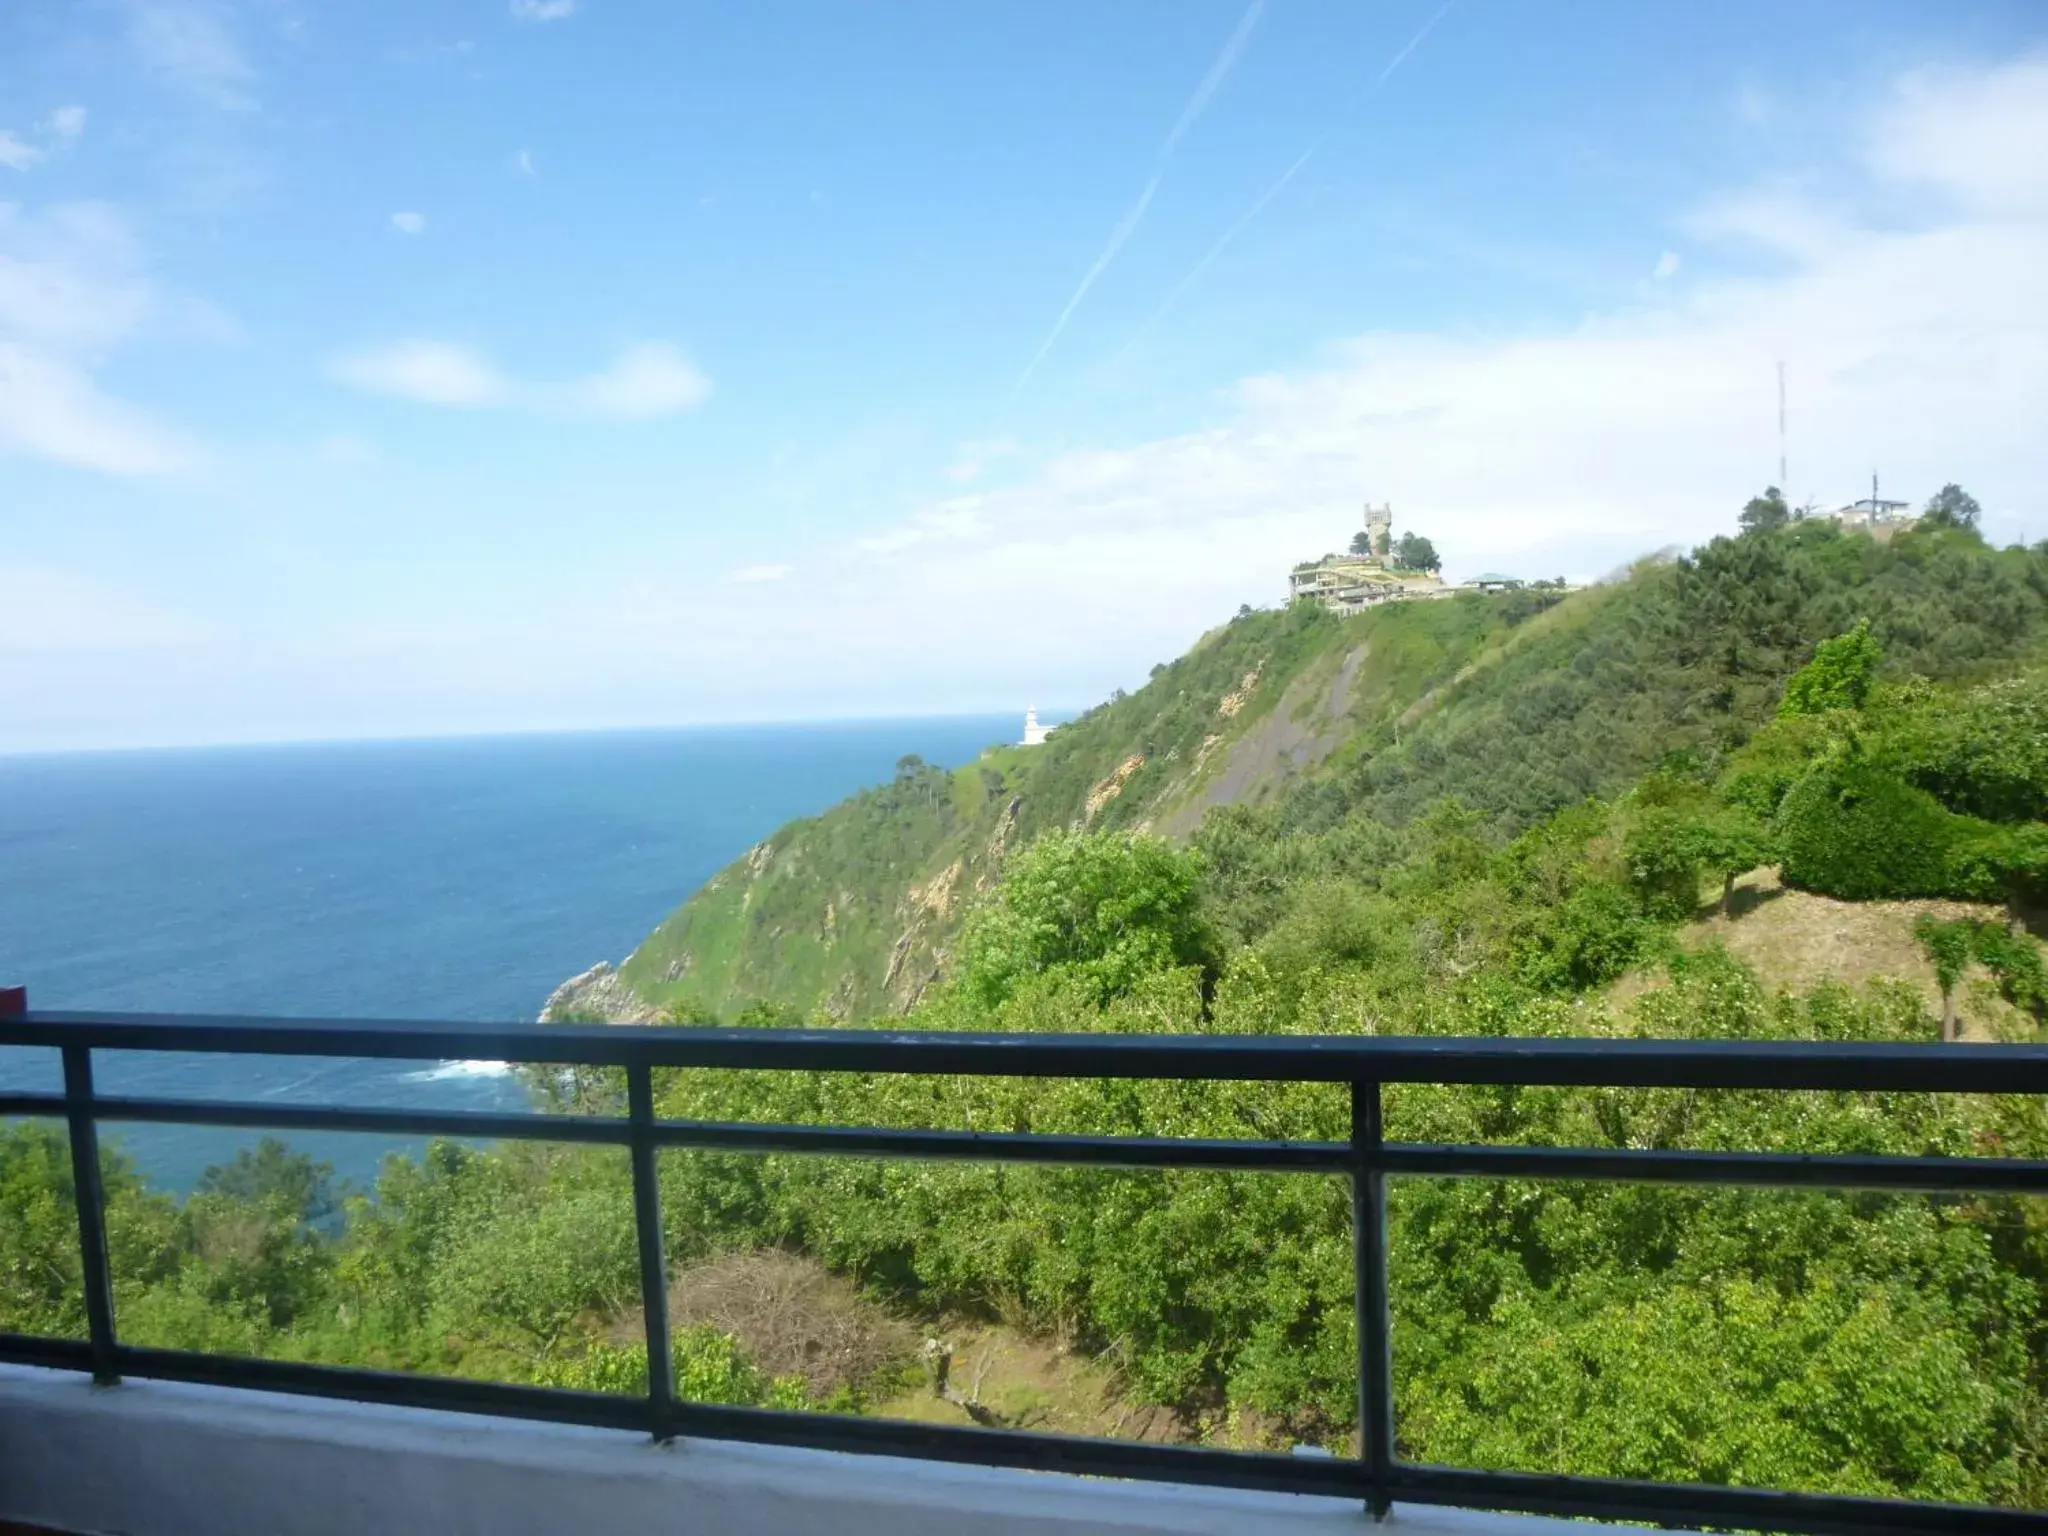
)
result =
(90, 1195)
(1369, 1251)
(661, 1384)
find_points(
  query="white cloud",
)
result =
(430, 372)
(644, 381)
(74, 287)
(1667, 266)
(68, 122)
(748, 575)
(407, 222)
(647, 380)
(1980, 138)
(961, 517)
(16, 153)
(543, 10)
(522, 163)
(1775, 217)
(188, 42)
(971, 459)
(51, 408)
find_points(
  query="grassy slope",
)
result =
(1516, 708)
(1795, 940)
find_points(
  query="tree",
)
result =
(300, 1187)
(1948, 945)
(909, 765)
(1361, 543)
(1839, 676)
(1951, 507)
(1765, 512)
(1100, 906)
(1415, 553)
(1668, 850)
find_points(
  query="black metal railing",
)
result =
(1378, 1476)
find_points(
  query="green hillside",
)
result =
(1517, 705)
(853, 911)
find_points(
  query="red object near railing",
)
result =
(13, 1002)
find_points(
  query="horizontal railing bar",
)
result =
(1695, 1505)
(58, 1354)
(851, 1141)
(1011, 1147)
(478, 1124)
(554, 1405)
(1563, 1062)
(1931, 1175)
(819, 1431)
(1266, 1471)
(1934, 1175)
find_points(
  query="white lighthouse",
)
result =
(1034, 733)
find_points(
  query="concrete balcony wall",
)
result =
(164, 1459)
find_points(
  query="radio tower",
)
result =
(1781, 430)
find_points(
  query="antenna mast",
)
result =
(1781, 430)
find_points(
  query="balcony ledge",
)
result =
(168, 1459)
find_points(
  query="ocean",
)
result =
(459, 879)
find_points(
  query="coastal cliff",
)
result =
(852, 913)
(597, 996)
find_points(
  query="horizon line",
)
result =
(517, 733)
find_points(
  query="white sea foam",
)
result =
(442, 1072)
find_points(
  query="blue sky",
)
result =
(409, 368)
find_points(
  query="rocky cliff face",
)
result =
(597, 996)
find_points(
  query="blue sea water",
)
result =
(457, 879)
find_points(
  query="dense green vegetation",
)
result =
(1513, 805)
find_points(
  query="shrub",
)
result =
(1762, 774)
(709, 1367)
(2014, 959)
(1984, 754)
(794, 1319)
(1105, 907)
(1596, 935)
(1849, 829)
(1993, 863)
(1839, 676)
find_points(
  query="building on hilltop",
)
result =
(1034, 733)
(1366, 577)
(1874, 513)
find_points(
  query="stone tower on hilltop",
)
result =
(1379, 524)
(1365, 576)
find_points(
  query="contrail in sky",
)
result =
(1135, 215)
(1286, 176)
